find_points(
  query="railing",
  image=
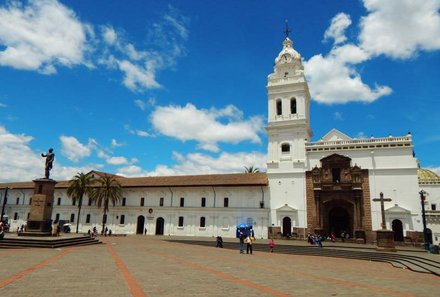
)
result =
(382, 140)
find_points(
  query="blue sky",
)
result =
(178, 87)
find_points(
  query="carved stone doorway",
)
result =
(340, 219)
(287, 227)
(397, 227)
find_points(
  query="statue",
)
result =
(50, 157)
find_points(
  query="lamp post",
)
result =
(425, 235)
(5, 199)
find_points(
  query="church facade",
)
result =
(319, 186)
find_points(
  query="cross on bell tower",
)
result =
(287, 31)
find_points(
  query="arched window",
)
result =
(293, 105)
(279, 107)
(285, 148)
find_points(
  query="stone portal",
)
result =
(338, 198)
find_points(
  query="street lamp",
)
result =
(425, 233)
(5, 199)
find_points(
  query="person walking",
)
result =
(249, 241)
(271, 245)
(241, 237)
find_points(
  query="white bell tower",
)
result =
(288, 119)
(288, 131)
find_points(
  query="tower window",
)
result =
(88, 219)
(124, 201)
(122, 220)
(336, 173)
(202, 222)
(59, 201)
(285, 148)
(279, 107)
(203, 201)
(226, 202)
(180, 222)
(161, 201)
(72, 217)
(142, 201)
(293, 105)
(182, 202)
(433, 207)
(17, 201)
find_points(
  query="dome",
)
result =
(289, 50)
(427, 176)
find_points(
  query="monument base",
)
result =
(38, 228)
(385, 241)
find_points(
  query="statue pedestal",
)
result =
(385, 241)
(40, 217)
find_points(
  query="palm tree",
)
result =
(251, 169)
(108, 190)
(78, 186)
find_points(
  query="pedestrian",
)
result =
(271, 245)
(241, 237)
(105, 231)
(110, 232)
(249, 241)
(145, 231)
(219, 242)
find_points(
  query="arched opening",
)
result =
(285, 148)
(140, 225)
(160, 223)
(279, 107)
(287, 227)
(339, 221)
(293, 105)
(397, 227)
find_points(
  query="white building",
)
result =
(310, 186)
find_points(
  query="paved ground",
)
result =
(149, 266)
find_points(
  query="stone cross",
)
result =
(382, 208)
(287, 31)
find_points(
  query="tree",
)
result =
(78, 186)
(251, 169)
(108, 190)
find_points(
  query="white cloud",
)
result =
(336, 31)
(41, 35)
(138, 77)
(72, 149)
(395, 28)
(400, 28)
(117, 160)
(197, 163)
(139, 67)
(333, 78)
(3, 105)
(109, 35)
(20, 163)
(208, 127)
(434, 169)
(142, 133)
(139, 103)
(116, 144)
(17, 161)
(337, 116)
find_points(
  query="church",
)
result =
(326, 186)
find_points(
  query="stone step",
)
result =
(414, 262)
(47, 243)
